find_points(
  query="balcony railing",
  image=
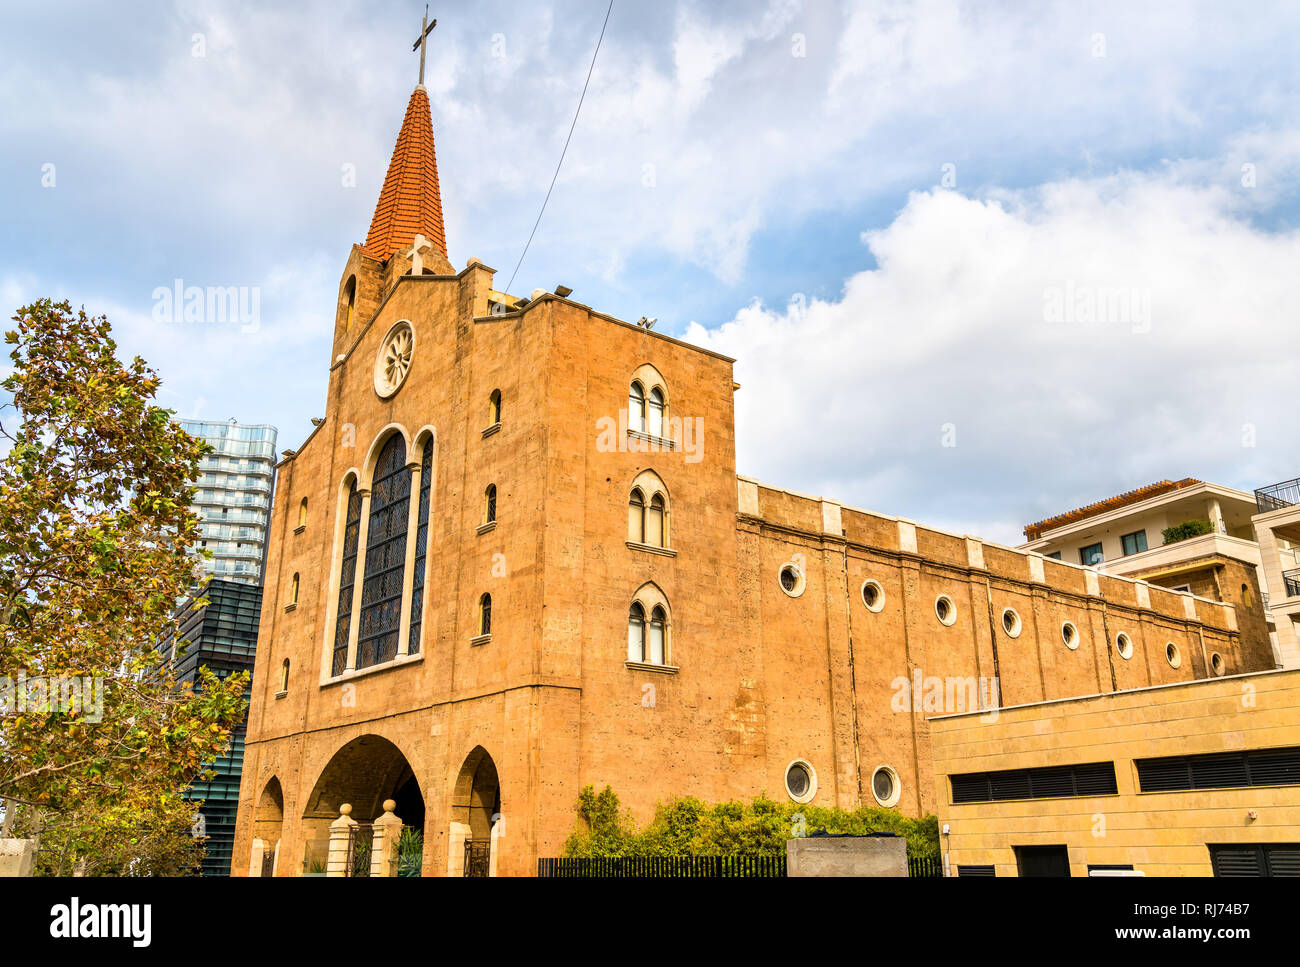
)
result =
(1279, 495)
(1291, 580)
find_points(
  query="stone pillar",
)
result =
(17, 856)
(340, 832)
(1215, 513)
(494, 845)
(255, 858)
(456, 848)
(388, 830)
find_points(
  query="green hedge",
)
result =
(1190, 528)
(687, 826)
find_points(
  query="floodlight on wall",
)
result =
(647, 323)
(563, 291)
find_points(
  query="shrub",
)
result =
(1190, 528)
(686, 826)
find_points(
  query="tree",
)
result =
(95, 493)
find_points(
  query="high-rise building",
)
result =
(234, 497)
(223, 636)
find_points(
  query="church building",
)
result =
(515, 558)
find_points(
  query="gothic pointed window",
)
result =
(490, 504)
(485, 615)
(421, 547)
(636, 632)
(655, 532)
(658, 621)
(636, 518)
(636, 408)
(655, 408)
(347, 575)
(494, 408)
(381, 588)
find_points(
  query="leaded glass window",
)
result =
(347, 576)
(381, 589)
(421, 543)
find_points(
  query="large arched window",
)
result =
(647, 511)
(647, 627)
(381, 588)
(421, 548)
(647, 403)
(347, 576)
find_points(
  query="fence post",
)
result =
(339, 860)
(383, 853)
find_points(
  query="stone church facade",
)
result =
(515, 558)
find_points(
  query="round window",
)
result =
(1070, 635)
(1124, 645)
(800, 781)
(1172, 655)
(394, 359)
(792, 579)
(873, 596)
(884, 786)
(944, 609)
(1011, 623)
(1216, 663)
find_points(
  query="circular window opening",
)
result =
(873, 596)
(885, 786)
(1172, 655)
(1216, 663)
(1011, 623)
(1070, 635)
(792, 580)
(1124, 645)
(394, 359)
(945, 610)
(800, 781)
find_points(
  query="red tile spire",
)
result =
(410, 203)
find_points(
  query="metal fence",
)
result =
(361, 838)
(924, 866)
(1279, 495)
(645, 867)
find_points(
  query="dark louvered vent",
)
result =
(1274, 767)
(1220, 770)
(1269, 859)
(1051, 782)
(976, 870)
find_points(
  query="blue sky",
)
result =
(870, 205)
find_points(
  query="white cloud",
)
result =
(849, 397)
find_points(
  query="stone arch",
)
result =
(475, 809)
(363, 773)
(268, 826)
(377, 446)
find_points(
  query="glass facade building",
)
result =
(234, 497)
(222, 636)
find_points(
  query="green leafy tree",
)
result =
(95, 492)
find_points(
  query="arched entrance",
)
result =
(268, 821)
(476, 826)
(364, 773)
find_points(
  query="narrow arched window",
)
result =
(485, 615)
(421, 548)
(636, 408)
(490, 504)
(293, 590)
(302, 513)
(351, 296)
(284, 675)
(494, 408)
(636, 517)
(381, 588)
(658, 622)
(655, 531)
(347, 577)
(636, 632)
(656, 412)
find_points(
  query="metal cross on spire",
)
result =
(423, 40)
